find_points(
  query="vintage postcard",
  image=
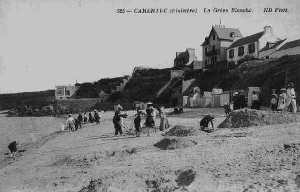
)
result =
(149, 95)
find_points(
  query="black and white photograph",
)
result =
(149, 96)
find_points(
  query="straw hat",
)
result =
(283, 89)
(119, 107)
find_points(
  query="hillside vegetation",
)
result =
(143, 86)
(266, 74)
(92, 90)
(34, 100)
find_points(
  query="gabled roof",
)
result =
(247, 40)
(216, 91)
(182, 55)
(272, 47)
(290, 44)
(224, 33)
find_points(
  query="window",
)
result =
(214, 37)
(267, 57)
(213, 60)
(251, 48)
(241, 51)
(231, 53)
(213, 47)
(205, 49)
(60, 91)
(67, 92)
(205, 63)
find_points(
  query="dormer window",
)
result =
(232, 34)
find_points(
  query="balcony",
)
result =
(212, 52)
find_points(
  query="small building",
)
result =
(194, 100)
(225, 98)
(207, 98)
(103, 96)
(270, 48)
(185, 58)
(65, 91)
(289, 48)
(215, 99)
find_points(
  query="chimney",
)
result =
(268, 29)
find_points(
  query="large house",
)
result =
(215, 45)
(65, 91)
(251, 45)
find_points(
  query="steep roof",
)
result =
(247, 40)
(224, 33)
(290, 44)
(272, 47)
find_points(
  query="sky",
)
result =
(44, 43)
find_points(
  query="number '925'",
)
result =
(120, 10)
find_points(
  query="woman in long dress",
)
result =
(164, 123)
(281, 100)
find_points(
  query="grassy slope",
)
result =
(34, 99)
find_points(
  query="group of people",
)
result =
(239, 100)
(149, 123)
(74, 124)
(284, 100)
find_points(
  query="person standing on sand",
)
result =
(281, 100)
(164, 123)
(274, 100)
(85, 117)
(70, 123)
(79, 120)
(242, 100)
(236, 101)
(291, 98)
(117, 120)
(137, 123)
(255, 102)
(91, 118)
(150, 123)
(96, 117)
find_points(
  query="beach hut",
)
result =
(215, 97)
(195, 100)
(225, 97)
(250, 93)
(207, 98)
(185, 102)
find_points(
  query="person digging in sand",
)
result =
(205, 121)
(14, 148)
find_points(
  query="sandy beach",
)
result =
(261, 158)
